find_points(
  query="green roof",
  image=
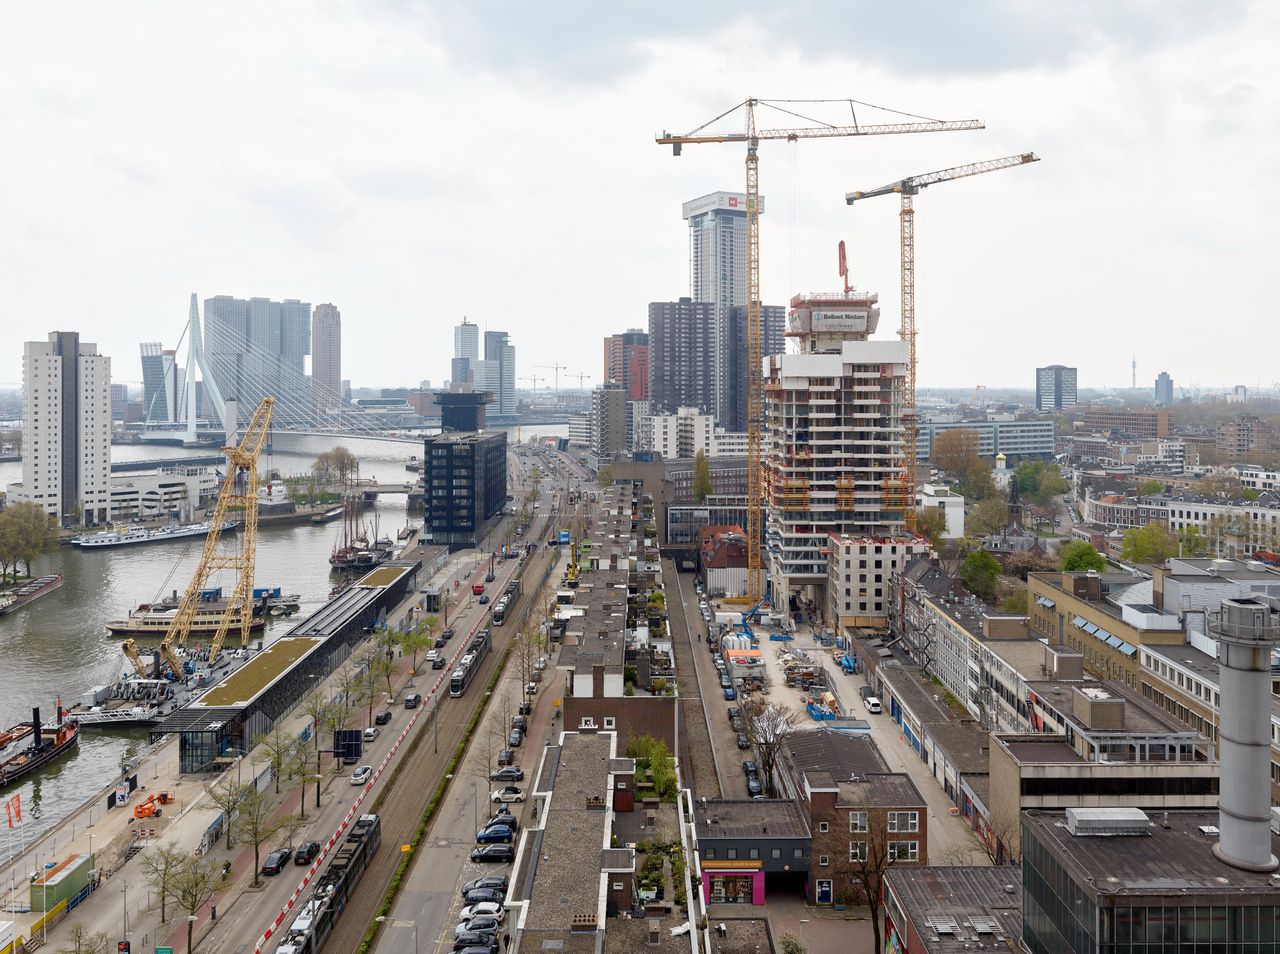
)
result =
(259, 672)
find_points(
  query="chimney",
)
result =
(1246, 638)
(35, 725)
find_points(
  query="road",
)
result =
(697, 757)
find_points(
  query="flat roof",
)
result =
(1050, 749)
(1140, 716)
(970, 904)
(965, 743)
(881, 790)
(562, 886)
(1177, 860)
(827, 750)
(243, 685)
(750, 818)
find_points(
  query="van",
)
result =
(412, 700)
(872, 704)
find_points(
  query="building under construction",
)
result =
(833, 456)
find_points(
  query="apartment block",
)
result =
(833, 462)
(688, 432)
(1017, 440)
(1055, 387)
(465, 486)
(326, 359)
(1246, 434)
(1139, 422)
(626, 362)
(682, 355)
(608, 421)
(860, 571)
(66, 430)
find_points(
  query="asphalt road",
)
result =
(697, 760)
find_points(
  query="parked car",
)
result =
(542, 663)
(482, 925)
(484, 598)
(488, 577)
(749, 768)
(306, 853)
(508, 793)
(753, 786)
(383, 717)
(439, 643)
(743, 741)
(519, 722)
(730, 694)
(526, 708)
(498, 882)
(276, 861)
(476, 942)
(531, 689)
(734, 712)
(447, 634)
(872, 705)
(412, 700)
(484, 909)
(362, 775)
(495, 835)
(506, 757)
(515, 738)
(434, 656)
(503, 816)
(483, 895)
(371, 734)
(508, 773)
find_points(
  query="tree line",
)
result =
(26, 531)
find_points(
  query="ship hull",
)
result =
(18, 768)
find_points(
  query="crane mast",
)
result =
(906, 189)
(753, 136)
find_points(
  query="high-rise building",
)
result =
(258, 347)
(1164, 389)
(833, 451)
(466, 340)
(501, 377)
(66, 432)
(681, 355)
(162, 382)
(626, 361)
(608, 421)
(773, 323)
(1055, 387)
(326, 359)
(465, 486)
(718, 276)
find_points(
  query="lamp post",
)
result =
(319, 751)
(124, 890)
(398, 922)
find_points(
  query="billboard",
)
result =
(564, 536)
(348, 743)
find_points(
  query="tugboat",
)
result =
(51, 742)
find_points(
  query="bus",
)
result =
(347, 864)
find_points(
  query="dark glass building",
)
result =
(465, 485)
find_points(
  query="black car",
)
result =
(498, 882)
(525, 708)
(515, 738)
(503, 816)
(734, 712)
(480, 895)
(501, 853)
(743, 741)
(446, 635)
(306, 853)
(506, 757)
(488, 577)
(276, 861)
(383, 717)
(412, 700)
(439, 643)
(753, 786)
(476, 941)
(749, 769)
(508, 773)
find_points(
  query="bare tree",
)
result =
(292, 825)
(82, 942)
(868, 866)
(194, 886)
(253, 823)
(160, 865)
(277, 746)
(295, 768)
(372, 664)
(768, 726)
(227, 796)
(348, 677)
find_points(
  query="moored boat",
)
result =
(14, 600)
(131, 536)
(49, 742)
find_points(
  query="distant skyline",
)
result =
(410, 163)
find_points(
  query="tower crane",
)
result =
(581, 376)
(907, 188)
(752, 136)
(535, 378)
(557, 368)
(239, 493)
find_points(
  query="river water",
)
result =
(59, 645)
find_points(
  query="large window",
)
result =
(857, 851)
(904, 851)
(857, 822)
(903, 822)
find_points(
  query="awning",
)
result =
(1078, 622)
(1091, 628)
(1127, 649)
(1045, 601)
(1115, 642)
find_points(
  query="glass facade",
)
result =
(1060, 917)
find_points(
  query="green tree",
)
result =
(1151, 486)
(26, 531)
(931, 523)
(421, 636)
(987, 517)
(979, 571)
(1015, 604)
(978, 484)
(1078, 556)
(604, 477)
(227, 796)
(701, 477)
(790, 944)
(1222, 485)
(277, 745)
(1153, 543)
(1192, 543)
(955, 451)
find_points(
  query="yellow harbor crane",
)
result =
(237, 498)
(907, 188)
(752, 136)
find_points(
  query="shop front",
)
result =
(733, 882)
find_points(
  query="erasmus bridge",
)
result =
(207, 400)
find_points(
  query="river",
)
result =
(59, 645)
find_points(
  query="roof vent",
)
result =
(942, 924)
(1103, 822)
(1209, 830)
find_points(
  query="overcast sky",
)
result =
(415, 162)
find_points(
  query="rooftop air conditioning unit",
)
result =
(1106, 822)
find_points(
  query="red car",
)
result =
(477, 589)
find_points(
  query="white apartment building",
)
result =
(683, 434)
(176, 491)
(66, 434)
(833, 445)
(580, 430)
(940, 497)
(326, 359)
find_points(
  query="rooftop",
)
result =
(258, 673)
(1140, 716)
(1039, 750)
(840, 753)
(1177, 860)
(750, 818)
(957, 908)
(882, 790)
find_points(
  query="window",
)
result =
(857, 822)
(709, 853)
(823, 861)
(857, 851)
(797, 853)
(775, 852)
(902, 822)
(823, 827)
(753, 852)
(904, 851)
(609, 722)
(731, 853)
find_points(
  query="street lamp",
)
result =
(398, 922)
(319, 751)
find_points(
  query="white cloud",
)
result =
(413, 163)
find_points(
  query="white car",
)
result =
(361, 775)
(507, 794)
(488, 909)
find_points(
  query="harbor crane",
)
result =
(752, 136)
(906, 189)
(238, 498)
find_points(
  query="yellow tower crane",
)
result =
(752, 136)
(237, 498)
(907, 188)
